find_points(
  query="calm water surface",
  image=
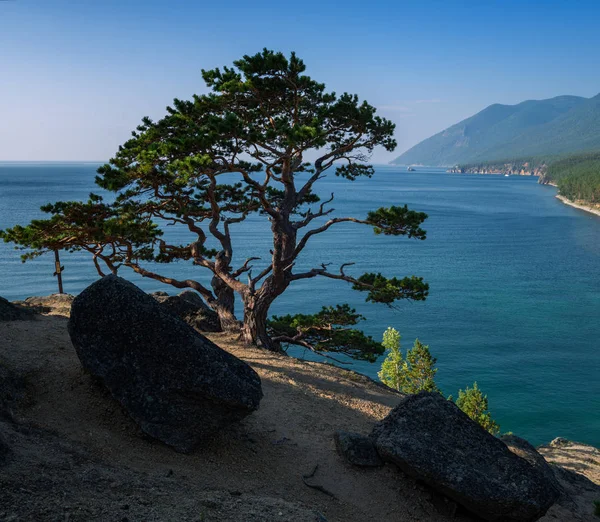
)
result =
(514, 275)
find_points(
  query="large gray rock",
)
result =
(4, 447)
(431, 439)
(190, 307)
(357, 449)
(176, 384)
(526, 451)
(12, 390)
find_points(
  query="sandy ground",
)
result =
(573, 456)
(82, 458)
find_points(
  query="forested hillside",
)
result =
(557, 126)
(577, 177)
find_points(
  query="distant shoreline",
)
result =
(566, 201)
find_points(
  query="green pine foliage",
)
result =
(475, 404)
(577, 177)
(413, 374)
(418, 371)
(597, 508)
(393, 362)
(388, 290)
(329, 330)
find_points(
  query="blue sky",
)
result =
(76, 76)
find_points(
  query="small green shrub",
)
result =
(414, 374)
(392, 365)
(597, 508)
(475, 404)
(418, 371)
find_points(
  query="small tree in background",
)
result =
(392, 364)
(414, 374)
(417, 372)
(475, 404)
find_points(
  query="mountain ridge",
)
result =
(559, 125)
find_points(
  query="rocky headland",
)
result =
(512, 169)
(75, 446)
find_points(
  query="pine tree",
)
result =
(413, 375)
(260, 120)
(475, 404)
(392, 365)
(418, 371)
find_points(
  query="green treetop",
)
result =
(418, 371)
(475, 404)
(391, 367)
(414, 374)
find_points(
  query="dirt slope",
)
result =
(82, 458)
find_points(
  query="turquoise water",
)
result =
(514, 275)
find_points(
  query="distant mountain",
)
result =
(560, 125)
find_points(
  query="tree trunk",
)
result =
(229, 322)
(225, 306)
(254, 330)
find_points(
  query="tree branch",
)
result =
(302, 243)
(185, 283)
(323, 272)
(319, 168)
(310, 216)
(245, 267)
(262, 274)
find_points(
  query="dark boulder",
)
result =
(12, 390)
(357, 449)
(4, 447)
(12, 312)
(431, 439)
(526, 451)
(190, 307)
(176, 384)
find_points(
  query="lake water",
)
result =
(514, 275)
